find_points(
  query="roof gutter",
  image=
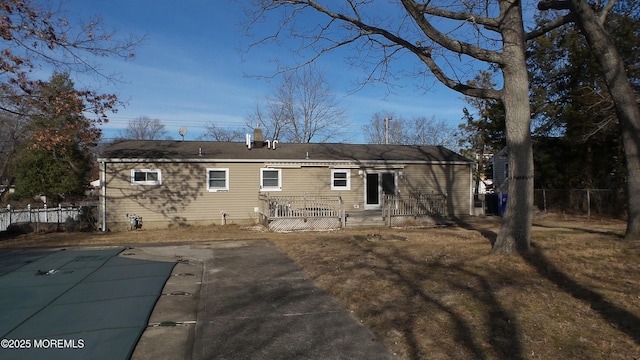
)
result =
(306, 162)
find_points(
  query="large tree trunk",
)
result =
(624, 101)
(515, 232)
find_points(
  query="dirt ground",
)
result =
(438, 293)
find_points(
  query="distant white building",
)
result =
(501, 178)
(500, 171)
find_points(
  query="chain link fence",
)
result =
(588, 202)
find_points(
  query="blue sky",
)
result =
(192, 70)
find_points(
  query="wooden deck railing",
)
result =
(295, 212)
(416, 205)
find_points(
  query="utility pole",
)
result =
(386, 130)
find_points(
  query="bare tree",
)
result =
(447, 37)
(431, 131)
(416, 131)
(301, 109)
(212, 131)
(591, 24)
(36, 34)
(385, 127)
(144, 128)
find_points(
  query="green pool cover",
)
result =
(76, 304)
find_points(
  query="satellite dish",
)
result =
(182, 131)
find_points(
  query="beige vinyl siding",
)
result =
(182, 197)
(238, 203)
(451, 180)
(352, 197)
(317, 181)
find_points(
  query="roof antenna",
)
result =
(182, 131)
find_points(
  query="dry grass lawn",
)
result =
(438, 293)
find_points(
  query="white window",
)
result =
(217, 180)
(270, 180)
(506, 170)
(146, 177)
(340, 179)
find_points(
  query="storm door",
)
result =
(377, 185)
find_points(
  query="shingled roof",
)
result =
(172, 150)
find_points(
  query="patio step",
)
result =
(365, 218)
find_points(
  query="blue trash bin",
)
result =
(503, 204)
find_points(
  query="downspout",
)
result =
(103, 185)
(471, 190)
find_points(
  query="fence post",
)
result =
(544, 199)
(9, 211)
(46, 213)
(588, 205)
(387, 198)
(343, 218)
(37, 219)
(269, 208)
(29, 210)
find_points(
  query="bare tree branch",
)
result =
(409, 27)
(301, 109)
(424, 53)
(489, 23)
(554, 24)
(144, 128)
(602, 16)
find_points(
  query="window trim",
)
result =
(226, 180)
(270, 188)
(146, 182)
(333, 179)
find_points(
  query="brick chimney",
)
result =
(258, 142)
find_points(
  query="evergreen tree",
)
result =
(576, 129)
(55, 160)
(483, 132)
(46, 172)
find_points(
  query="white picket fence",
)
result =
(52, 215)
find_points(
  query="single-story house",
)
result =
(205, 182)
